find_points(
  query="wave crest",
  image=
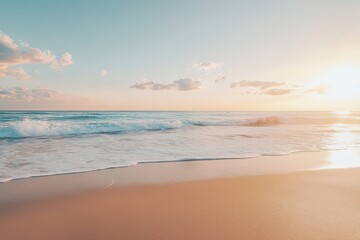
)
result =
(84, 124)
(37, 128)
(265, 121)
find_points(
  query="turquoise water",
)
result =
(45, 143)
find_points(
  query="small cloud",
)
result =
(184, 84)
(65, 60)
(19, 93)
(317, 90)
(220, 78)
(263, 85)
(277, 91)
(207, 66)
(40, 98)
(13, 54)
(104, 73)
(18, 73)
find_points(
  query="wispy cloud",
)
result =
(220, 78)
(318, 90)
(184, 84)
(65, 60)
(278, 91)
(12, 54)
(262, 88)
(256, 84)
(18, 73)
(207, 66)
(104, 73)
(41, 98)
(20, 93)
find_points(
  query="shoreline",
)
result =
(356, 149)
(18, 191)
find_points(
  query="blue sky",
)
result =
(175, 50)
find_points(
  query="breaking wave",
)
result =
(99, 125)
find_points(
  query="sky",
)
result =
(180, 55)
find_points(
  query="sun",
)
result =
(341, 83)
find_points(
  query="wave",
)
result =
(300, 120)
(101, 125)
(274, 120)
(38, 128)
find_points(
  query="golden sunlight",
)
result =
(342, 138)
(343, 112)
(344, 159)
(341, 83)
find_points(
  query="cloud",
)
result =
(318, 90)
(104, 73)
(207, 66)
(40, 98)
(263, 85)
(12, 54)
(65, 60)
(19, 93)
(184, 84)
(220, 78)
(277, 91)
(18, 73)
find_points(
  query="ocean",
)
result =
(37, 143)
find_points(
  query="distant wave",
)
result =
(274, 120)
(72, 126)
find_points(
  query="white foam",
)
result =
(86, 125)
(144, 137)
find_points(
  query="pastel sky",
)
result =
(180, 55)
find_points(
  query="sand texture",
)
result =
(321, 204)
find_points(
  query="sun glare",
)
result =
(343, 112)
(342, 83)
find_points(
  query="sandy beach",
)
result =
(317, 204)
(179, 120)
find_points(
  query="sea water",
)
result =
(36, 143)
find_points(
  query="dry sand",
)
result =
(322, 204)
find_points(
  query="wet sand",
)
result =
(317, 204)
